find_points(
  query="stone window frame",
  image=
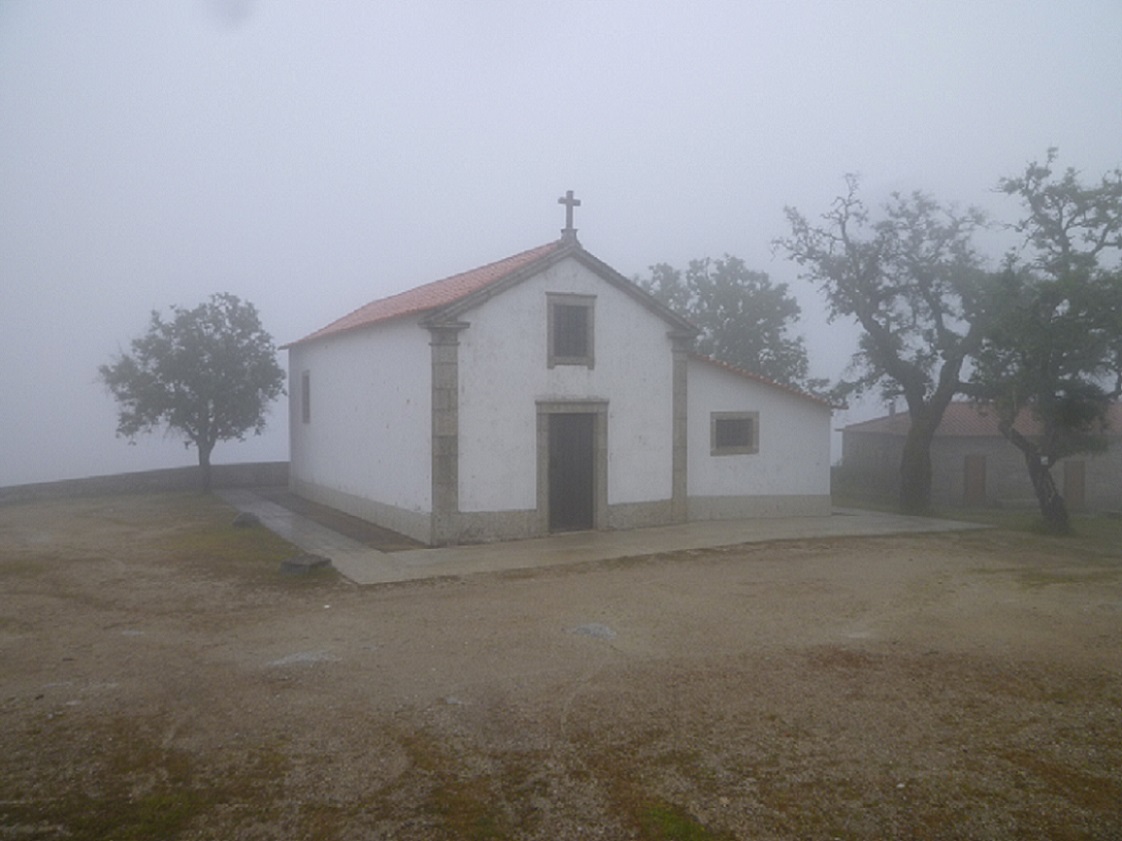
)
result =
(588, 302)
(753, 446)
(306, 396)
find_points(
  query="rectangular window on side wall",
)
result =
(734, 433)
(570, 330)
(306, 397)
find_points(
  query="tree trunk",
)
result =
(925, 417)
(1052, 506)
(915, 467)
(204, 466)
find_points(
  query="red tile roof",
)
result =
(759, 378)
(433, 295)
(968, 420)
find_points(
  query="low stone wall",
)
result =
(253, 474)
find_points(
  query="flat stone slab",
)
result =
(364, 565)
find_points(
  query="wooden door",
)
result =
(974, 481)
(571, 471)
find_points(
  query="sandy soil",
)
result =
(160, 679)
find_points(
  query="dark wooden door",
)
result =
(571, 472)
(974, 481)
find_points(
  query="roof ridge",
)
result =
(760, 378)
(432, 295)
(520, 255)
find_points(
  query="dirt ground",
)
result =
(160, 678)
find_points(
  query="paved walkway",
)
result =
(364, 565)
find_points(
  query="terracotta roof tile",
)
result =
(965, 419)
(433, 295)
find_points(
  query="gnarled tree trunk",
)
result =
(915, 467)
(1053, 508)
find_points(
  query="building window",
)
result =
(734, 433)
(571, 330)
(306, 397)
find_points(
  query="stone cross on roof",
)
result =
(569, 231)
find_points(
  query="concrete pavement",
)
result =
(364, 565)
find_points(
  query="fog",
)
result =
(311, 157)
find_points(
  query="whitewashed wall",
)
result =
(503, 372)
(369, 435)
(794, 438)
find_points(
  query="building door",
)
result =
(571, 471)
(974, 481)
(1075, 484)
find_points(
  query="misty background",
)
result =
(311, 157)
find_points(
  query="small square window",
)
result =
(734, 433)
(570, 330)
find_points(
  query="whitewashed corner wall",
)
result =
(368, 436)
(793, 461)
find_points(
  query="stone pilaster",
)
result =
(445, 346)
(679, 503)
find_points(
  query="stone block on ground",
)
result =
(304, 564)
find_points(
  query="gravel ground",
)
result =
(159, 678)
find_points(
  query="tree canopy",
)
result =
(207, 374)
(1054, 352)
(744, 318)
(912, 280)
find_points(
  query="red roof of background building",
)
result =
(964, 419)
(433, 295)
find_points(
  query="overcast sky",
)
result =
(313, 156)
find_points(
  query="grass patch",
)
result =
(197, 530)
(1076, 785)
(131, 787)
(637, 774)
(1098, 535)
(203, 525)
(139, 790)
(1030, 579)
(661, 821)
(462, 804)
(26, 565)
(160, 814)
(219, 544)
(1092, 536)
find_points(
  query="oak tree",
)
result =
(912, 281)
(207, 374)
(1054, 353)
(744, 318)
